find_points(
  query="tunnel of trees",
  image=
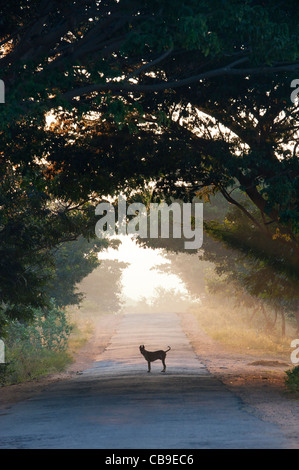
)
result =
(103, 97)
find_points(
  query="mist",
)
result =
(138, 279)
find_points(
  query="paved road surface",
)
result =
(116, 404)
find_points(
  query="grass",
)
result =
(25, 362)
(30, 364)
(231, 327)
(82, 320)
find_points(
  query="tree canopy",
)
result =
(105, 96)
(154, 69)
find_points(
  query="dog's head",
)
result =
(141, 348)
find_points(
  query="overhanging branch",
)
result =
(228, 197)
(140, 88)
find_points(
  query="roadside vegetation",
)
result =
(292, 380)
(237, 328)
(244, 300)
(37, 348)
(81, 288)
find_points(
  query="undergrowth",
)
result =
(234, 328)
(292, 380)
(36, 348)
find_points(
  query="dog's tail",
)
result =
(169, 348)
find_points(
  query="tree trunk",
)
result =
(253, 314)
(283, 324)
(297, 321)
(275, 318)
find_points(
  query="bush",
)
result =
(292, 380)
(49, 330)
(37, 348)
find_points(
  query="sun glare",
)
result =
(140, 278)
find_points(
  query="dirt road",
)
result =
(116, 404)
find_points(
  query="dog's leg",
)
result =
(149, 366)
(164, 365)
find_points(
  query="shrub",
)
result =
(37, 348)
(292, 380)
(49, 330)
